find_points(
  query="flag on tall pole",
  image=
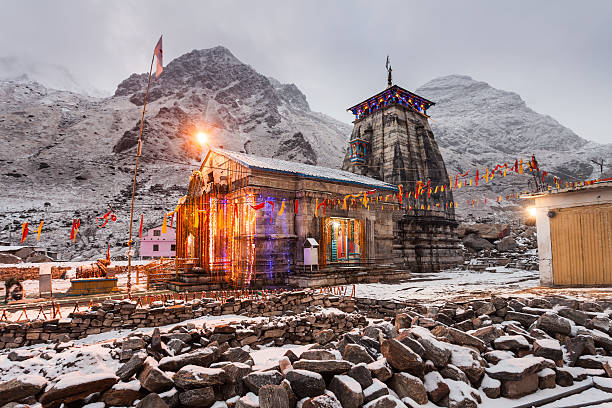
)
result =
(159, 54)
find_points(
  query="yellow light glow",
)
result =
(531, 211)
(202, 138)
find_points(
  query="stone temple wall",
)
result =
(402, 150)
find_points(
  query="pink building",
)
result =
(156, 245)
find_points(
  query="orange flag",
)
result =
(159, 54)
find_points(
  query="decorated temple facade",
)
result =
(393, 142)
(246, 220)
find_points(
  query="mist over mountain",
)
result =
(68, 155)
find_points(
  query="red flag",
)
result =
(24, 232)
(259, 206)
(76, 223)
(140, 230)
(159, 54)
(296, 207)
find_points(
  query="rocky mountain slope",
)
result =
(67, 156)
(478, 126)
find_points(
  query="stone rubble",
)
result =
(452, 355)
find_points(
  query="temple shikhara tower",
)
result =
(393, 142)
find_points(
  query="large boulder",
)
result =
(506, 244)
(257, 379)
(273, 396)
(526, 385)
(548, 348)
(22, 387)
(347, 390)
(435, 386)
(129, 369)
(306, 383)
(198, 397)
(191, 376)
(324, 367)
(476, 243)
(152, 401)
(380, 369)
(202, 357)
(552, 324)
(514, 369)
(75, 386)
(406, 385)
(401, 357)
(152, 378)
(122, 394)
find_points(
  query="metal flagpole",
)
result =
(144, 106)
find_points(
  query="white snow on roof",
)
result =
(304, 170)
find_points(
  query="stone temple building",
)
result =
(393, 142)
(247, 220)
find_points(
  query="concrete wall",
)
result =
(592, 195)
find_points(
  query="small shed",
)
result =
(574, 227)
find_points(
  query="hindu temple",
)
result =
(393, 142)
(251, 221)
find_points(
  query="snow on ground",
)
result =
(452, 284)
(268, 356)
(89, 355)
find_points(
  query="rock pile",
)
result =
(453, 355)
(125, 314)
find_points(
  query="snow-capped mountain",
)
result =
(479, 126)
(66, 155)
(50, 75)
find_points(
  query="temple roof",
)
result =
(393, 94)
(302, 170)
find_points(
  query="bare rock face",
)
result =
(127, 370)
(546, 378)
(347, 390)
(380, 369)
(362, 375)
(435, 351)
(401, 357)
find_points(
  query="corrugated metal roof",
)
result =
(303, 170)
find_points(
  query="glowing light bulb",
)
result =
(202, 138)
(531, 211)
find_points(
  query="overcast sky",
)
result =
(556, 54)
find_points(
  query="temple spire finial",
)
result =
(389, 69)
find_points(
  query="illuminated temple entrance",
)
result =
(245, 220)
(343, 240)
